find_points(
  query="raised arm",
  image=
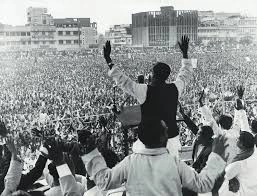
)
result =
(13, 176)
(186, 71)
(129, 86)
(240, 107)
(204, 181)
(104, 177)
(27, 180)
(97, 169)
(68, 184)
(190, 124)
(207, 115)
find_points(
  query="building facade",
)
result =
(44, 32)
(226, 27)
(163, 28)
(120, 35)
(37, 16)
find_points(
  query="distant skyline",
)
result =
(110, 12)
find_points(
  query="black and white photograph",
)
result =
(128, 97)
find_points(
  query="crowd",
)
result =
(47, 96)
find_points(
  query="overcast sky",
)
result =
(110, 12)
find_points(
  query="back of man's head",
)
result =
(83, 135)
(153, 133)
(225, 122)
(161, 71)
(254, 126)
(246, 140)
(141, 79)
(206, 133)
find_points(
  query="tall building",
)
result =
(12, 38)
(39, 16)
(75, 32)
(89, 36)
(163, 28)
(226, 27)
(44, 32)
(120, 35)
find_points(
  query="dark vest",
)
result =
(161, 103)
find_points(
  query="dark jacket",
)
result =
(27, 180)
(161, 103)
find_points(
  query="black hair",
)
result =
(83, 135)
(141, 79)
(150, 132)
(207, 132)
(225, 121)
(161, 71)
(247, 140)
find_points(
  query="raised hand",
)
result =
(201, 99)
(219, 146)
(54, 148)
(87, 141)
(107, 52)
(10, 145)
(239, 104)
(183, 45)
(240, 91)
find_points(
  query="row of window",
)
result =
(61, 42)
(68, 32)
(14, 33)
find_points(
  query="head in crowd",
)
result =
(141, 79)
(153, 133)
(254, 126)
(246, 141)
(204, 136)
(83, 135)
(225, 122)
(161, 72)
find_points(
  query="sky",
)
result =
(110, 12)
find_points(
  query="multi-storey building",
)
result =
(119, 35)
(44, 32)
(15, 38)
(165, 27)
(226, 26)
(37, 16)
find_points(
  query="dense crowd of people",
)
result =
(54, 102)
